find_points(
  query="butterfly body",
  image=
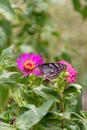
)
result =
(52, 70)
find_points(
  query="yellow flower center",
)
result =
(29, 65)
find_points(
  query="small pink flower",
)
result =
(71, 71)
(28, 64)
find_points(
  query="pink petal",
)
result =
(37, 72)
(20, 65)
(36, 58)
(26, 73)
(72, 72)
(24, 57)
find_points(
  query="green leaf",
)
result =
(80, 120)
(45, 92)
(4, 126)
(71, 97)
(3, 40)
(84, 114)
(47, 127)
(7, 75)
(5, 86)
(6, 25)
(5, 29)
(77, 86)
(8, 52)
(5, 4)
(72, 126)
(77, 4)
(4, 93)
(39, 127)
(55, 128)
(84, 12)
(30, 118)
(79, 104)
(51, 121)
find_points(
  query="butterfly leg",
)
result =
(49, 81)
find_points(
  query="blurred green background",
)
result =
(55, 29)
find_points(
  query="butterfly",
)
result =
(52, 70)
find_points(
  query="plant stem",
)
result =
(20, 101)
(17, 111)
(62, 109)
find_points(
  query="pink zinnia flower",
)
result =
(72, 73)
(28, 64)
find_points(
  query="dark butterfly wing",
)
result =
(52, 70)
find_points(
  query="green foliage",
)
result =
(77, 4)
(6, 6)
(5, 29)
(6, 10)
(63, 55)
(81, 8)
(4, 126)
(36, 26)
(29, 102)
(4, 92)
(33, 116)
